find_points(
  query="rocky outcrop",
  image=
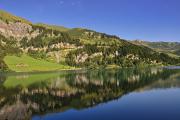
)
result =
(132, 57)
(17, 30)
(96, 54)
(62, 45)
(81, 58)
(93, 35)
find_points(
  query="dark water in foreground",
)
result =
(126, 94)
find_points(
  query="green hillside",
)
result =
(177, 52)
(171, 48)
(54, 27)
(49, 47)
(7, 17)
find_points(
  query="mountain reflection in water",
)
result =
(27, 94)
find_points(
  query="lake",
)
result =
(114, 94)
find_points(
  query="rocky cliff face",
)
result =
(17, 30)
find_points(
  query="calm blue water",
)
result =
(149, 105)
(121, 94)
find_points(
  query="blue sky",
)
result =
(152, 20)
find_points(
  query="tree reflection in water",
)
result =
(24, 95)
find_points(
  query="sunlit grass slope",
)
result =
(26, 63)
(7, 17)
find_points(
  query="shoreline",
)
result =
(83, 69)
(37, 72)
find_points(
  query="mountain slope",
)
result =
(7, 17)
(69, 47)
(54, 27)
(172, 48)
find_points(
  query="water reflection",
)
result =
(24, 95)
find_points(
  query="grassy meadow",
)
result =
(26, 63)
